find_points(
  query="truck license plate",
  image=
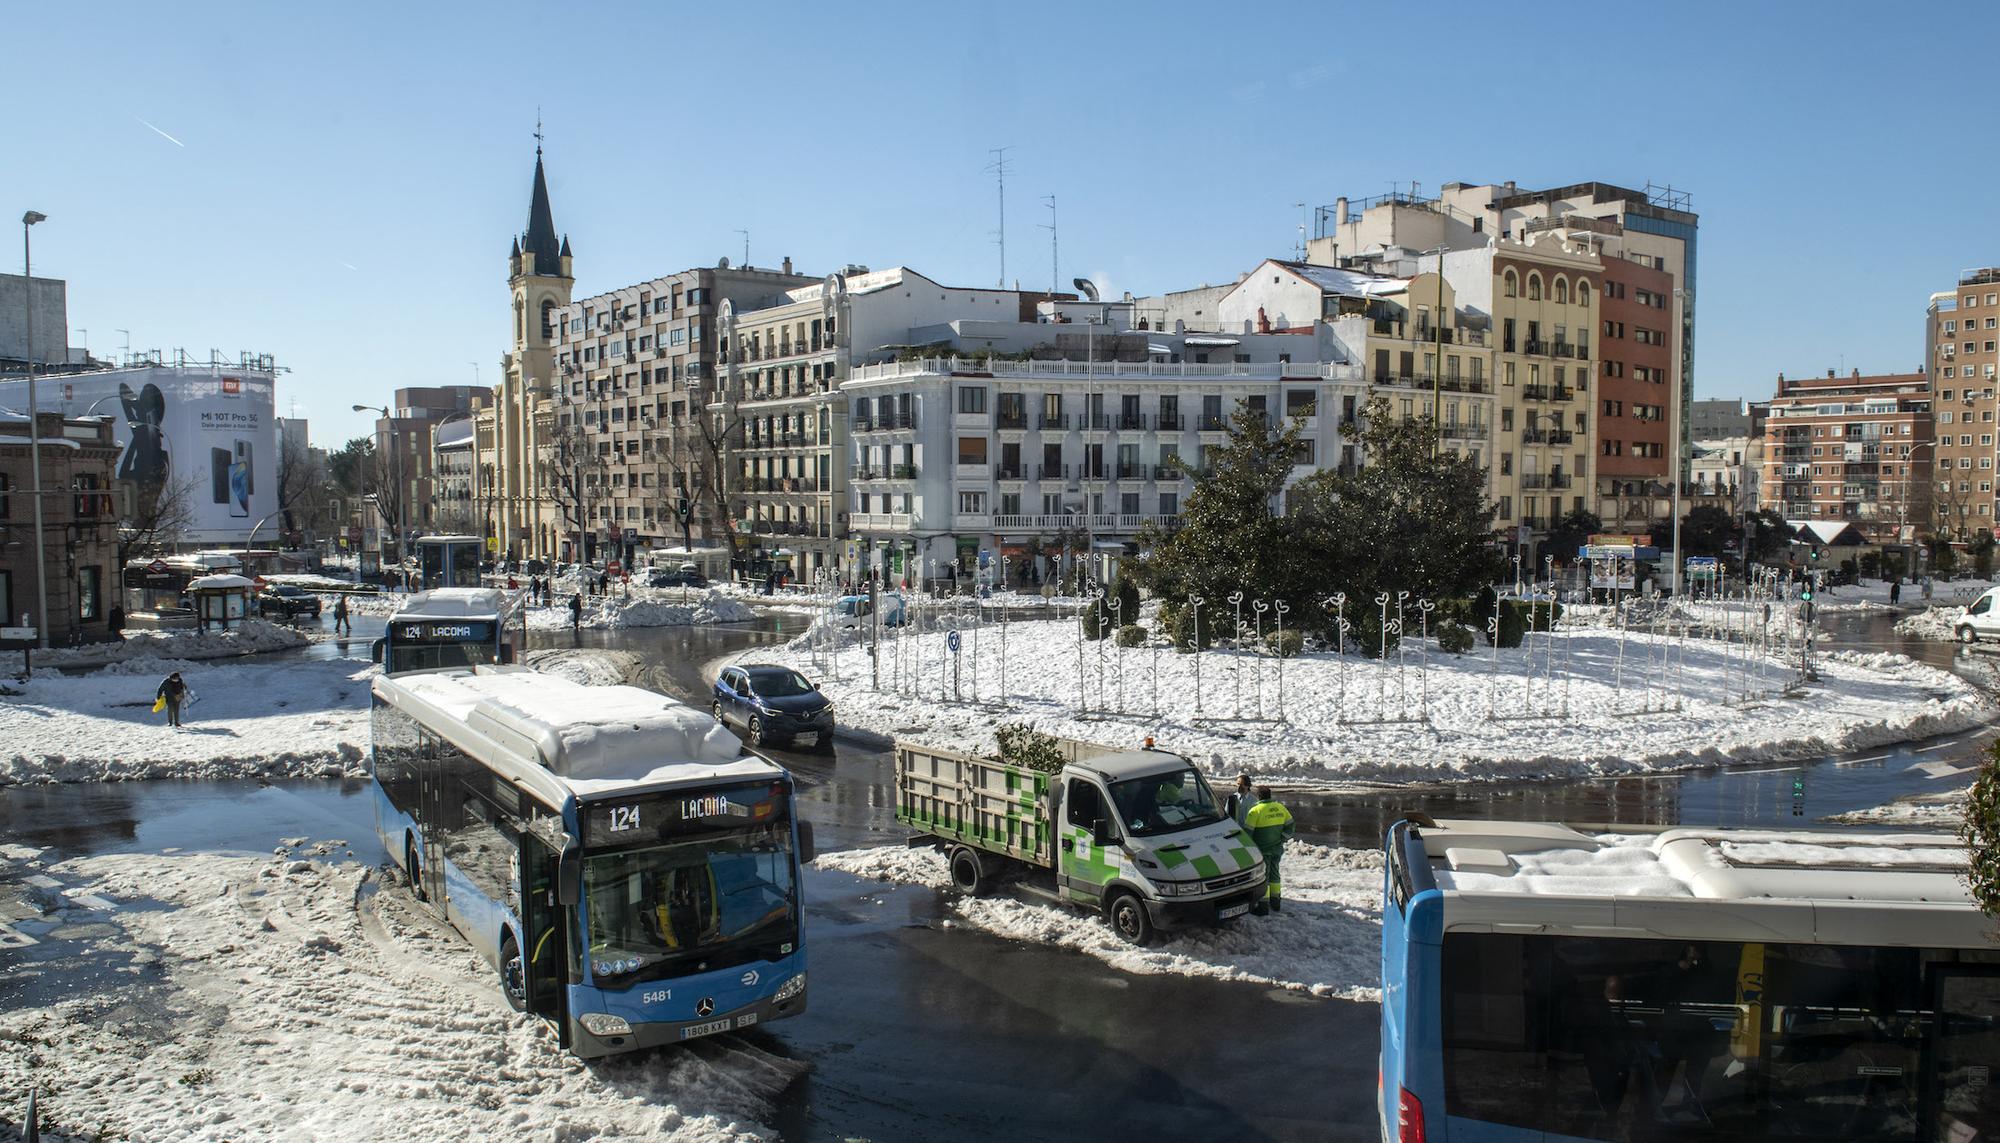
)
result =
(708, 1029)
(1232, 911)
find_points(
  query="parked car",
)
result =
(1981, 618)
(287, 602)
(773, 704)
(852, 611)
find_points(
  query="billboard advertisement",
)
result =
(208, 432)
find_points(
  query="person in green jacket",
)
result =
(1270, 826)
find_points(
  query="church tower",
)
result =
(539, 277)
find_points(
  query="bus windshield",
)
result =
(727, 897)
(1164, 803)
(431, 656)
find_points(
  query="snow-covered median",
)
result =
(1932, 623)
(647, 609)
(1474, 715)
(247, 637)
(270, 719)
(1326, 941)
(1942, 811)
(291, 999)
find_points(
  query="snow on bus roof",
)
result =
(592, 738)
(1524, 858)
(453, 603)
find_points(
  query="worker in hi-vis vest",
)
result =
(1270, 826)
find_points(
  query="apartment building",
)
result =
(1072, 433)
(784, 411)
(636, 369)
(405, 453)
(1961, 335)
(1854, 449)
(79, 541)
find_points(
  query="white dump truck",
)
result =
(1136, 834)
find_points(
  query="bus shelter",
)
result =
(220, 599)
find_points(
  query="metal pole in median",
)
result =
(34, 435)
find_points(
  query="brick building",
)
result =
(1962, 339)
(1851, 448)
(79, 525)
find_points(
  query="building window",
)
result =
(89, 593)
(1510, 286)
(972, 503)
(1534, 287)
(972, 399)
(1562, 290)
(1583, 292)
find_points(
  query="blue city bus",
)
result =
(628, 873)
(448, 561)
(1543, 982)
(449, 627)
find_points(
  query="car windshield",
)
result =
(779, 684)
(1164, 803)
(705, 898)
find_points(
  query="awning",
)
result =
(1158, 348)
(1201, 339)
(1107, 546)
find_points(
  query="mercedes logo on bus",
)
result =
(706, 1006)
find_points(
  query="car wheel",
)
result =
(1968, 636)
(715, 708)
(513, 975)
(1128, 918)
(755, 731)
(968, 873)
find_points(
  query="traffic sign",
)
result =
(614, 568)
(951, 641)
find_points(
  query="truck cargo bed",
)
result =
(986, 804)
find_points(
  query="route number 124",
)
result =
(624, 818)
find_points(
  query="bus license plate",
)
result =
(1232, 911)
(708, 1029)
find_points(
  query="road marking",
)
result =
(43, 881)
(92, 901)
(1938, 769)
(13, 938)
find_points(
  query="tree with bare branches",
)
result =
(573, 476)
(160, 511)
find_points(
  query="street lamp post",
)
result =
(34, 433)
(1903, 500)
(575, 449)
(1437, 355)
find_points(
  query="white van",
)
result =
(1981, 620)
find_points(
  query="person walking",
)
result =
(575, 612)
(1895, 591)
(172, 693)
(340, 619)
(1270, 826)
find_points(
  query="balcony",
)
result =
(1547, 436)
(1534, 392)
(1132, 472)
(1170, 422)
(903, 472)
(1056, 421)
(1464, 385)
(1457, 432)
(1132, 422)
(879, 522)
(1052, 472)
(1535, 346)
(1545, 480)
(1007, 472)
(1212, 423)
(1011, 421)
(884, 422)
(1565, 349)
(1094, 422)
(1562, 393)
(1167, 472)
(1096, 473)
(1098, 522)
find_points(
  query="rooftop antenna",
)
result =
(125, 350)
(999, 168)
(1302, 230)
(1055, 252)
(538, 130)
(475, 371)
(746, 248)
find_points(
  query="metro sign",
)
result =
(157, 567)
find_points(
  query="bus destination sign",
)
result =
(617, 821)
(441, 631)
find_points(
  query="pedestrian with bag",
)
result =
(1270, 826)
(172, 693)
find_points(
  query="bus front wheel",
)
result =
(410, 867)
(513, 975)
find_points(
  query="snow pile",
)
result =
(314, 582)
(641, 610)
(1932, 623)
(1481, 714)
(1326, 941)
(589, 667)
(272, 719)
(366, 603)
(291, 999)
(246, 637)
(1943, 811)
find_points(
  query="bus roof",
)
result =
(568, 739)
(454, 603)
(448, 539)
(1801, 885)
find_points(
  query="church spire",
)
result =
(540, 241)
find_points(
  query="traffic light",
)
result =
(1805, 591)
(1815, 555)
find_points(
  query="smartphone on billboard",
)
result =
(218, 474)
(239, 480)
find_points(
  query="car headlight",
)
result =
(827, 709)
(604, 1024)
(1178, 888)
(791, 988)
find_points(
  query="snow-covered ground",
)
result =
(1337, 708)
(249, 718)
(1934, 622)
(643, 608)
(1943, 811)
(1326, 941)
(283, 998)
(247, 637)
(365, 603)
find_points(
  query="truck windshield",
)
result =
(1164, 803)
(712, 901)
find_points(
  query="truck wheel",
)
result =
(968, 873)
(1127, 916)
(1968, 636)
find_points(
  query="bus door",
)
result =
(546, 949)
(1965, 1053)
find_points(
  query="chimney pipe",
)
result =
(1340, 211)
(788, 263)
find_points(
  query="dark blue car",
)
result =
(774, 704)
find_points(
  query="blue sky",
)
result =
(342, 179)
